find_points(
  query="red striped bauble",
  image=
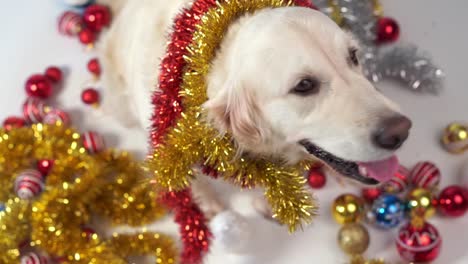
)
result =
(34, 110)
(399, 182)
(425, 175)
(93, 142)
(29, 184)
(34, 258)
(70, 23)
(57, 116)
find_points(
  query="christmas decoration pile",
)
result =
(407, 201)
(54, 179)
(403, 63)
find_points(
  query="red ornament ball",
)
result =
(34, 110)
(399, 182)
(371, 194)
(70, 23)
(418, 243)
(388, 30)
(29, 184)
(38, 86)
(93, 142)
(44, 166)
(317, 178)
(13, 122)
(96, 17)
(57, 116)
(453, 201)
(90, 96)
(94, 67)
(34, 258)
(54, 74)
(425, 175)
(87, 36)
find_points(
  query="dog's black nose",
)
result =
(392, 132)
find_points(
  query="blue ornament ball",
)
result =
(2, 207)
(387, 212)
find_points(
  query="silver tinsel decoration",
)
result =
(412, 67)
(401, 63)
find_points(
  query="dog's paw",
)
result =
(231, 231)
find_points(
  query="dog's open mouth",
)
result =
(370, 173)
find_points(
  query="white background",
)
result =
(30, 42)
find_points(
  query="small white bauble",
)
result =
(78, 2)
(231, 232)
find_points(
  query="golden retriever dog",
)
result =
(286, 82)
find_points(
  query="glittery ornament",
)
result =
(358, 259)
(57, 116)
(388, 30)
(399, 182)
(412, 67)
(54, 74)
(455, 138)
(90, 96)
(371, 194)
(316, 178)
(29, 184)
(421, 203)
(87, 36)
(453, 201)
(93, 142)
(70, 23)
(347, 208)
(388, 211)
(418, 243)
(38, 86)
(34, 258)
(425, 175)
(13, 122)
(34, 110)
(44, 166)
(96, 17)
(94, 67)
(180, 137)
(353, 238)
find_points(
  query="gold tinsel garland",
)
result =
(79, 185)
(192, 140)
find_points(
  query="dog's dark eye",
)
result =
(306, 87)
(353, 56)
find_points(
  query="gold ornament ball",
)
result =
(455, 138)
(353, 239)
(421, 203)
(347, 208)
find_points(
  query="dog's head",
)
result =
(288, 82)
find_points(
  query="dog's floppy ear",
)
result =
(234, 109)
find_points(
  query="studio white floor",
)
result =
(30, 42)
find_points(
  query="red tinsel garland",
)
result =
(193, 229)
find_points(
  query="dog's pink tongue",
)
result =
(383, 170)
